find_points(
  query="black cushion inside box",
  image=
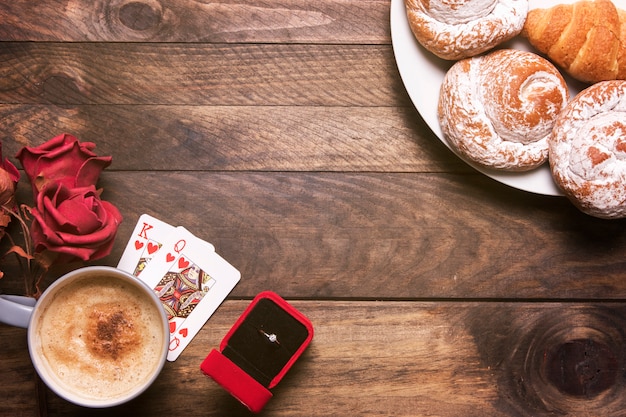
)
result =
(250, 348)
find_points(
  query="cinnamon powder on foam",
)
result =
(110, 333)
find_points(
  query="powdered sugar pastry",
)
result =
(456, 29)
(588, 150)
(499, 109)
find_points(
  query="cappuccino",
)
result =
(100, 337)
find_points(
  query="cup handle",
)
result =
(15, 310)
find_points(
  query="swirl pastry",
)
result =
(456, 29)
(499, 109)
(587, 150)
(585, 39)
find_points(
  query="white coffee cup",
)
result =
(98, 336)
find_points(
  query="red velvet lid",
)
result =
(234, 380)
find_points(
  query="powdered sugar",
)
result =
(455, 29)
(455, 12)
(588, 150)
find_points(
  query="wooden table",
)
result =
(280, 131)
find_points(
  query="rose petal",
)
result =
(79, 219)
(74, 222)
(62, 159)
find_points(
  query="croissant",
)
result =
(462, 28)
(587, 150)
(498, 109)
(584, 38)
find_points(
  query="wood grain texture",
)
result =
(285, 21)
(238, 138)
(20, 388)
(280, 131)
(375, 235)
(199, 74)
(389, 235)
(415, 359)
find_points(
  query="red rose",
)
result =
(74, 223)
(62, 159)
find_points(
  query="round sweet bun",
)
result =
(498, 109)
(459, 29)
(588, 150)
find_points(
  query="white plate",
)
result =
(422, 74)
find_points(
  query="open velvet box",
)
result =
(259, 349)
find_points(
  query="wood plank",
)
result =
(414, 359)
(266, 21)
(378, 236)
(19, 390)
(199, 74)
(257, 138)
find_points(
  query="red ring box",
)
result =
(259, 349)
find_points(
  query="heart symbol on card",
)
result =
(172, 327)
(169, 257)
(152, 248)
(183, 263)
(183, 332)
(138, 244)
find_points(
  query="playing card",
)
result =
(147, 238)
(192, 281)
(178, 240)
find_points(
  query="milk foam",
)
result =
(101, 338)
